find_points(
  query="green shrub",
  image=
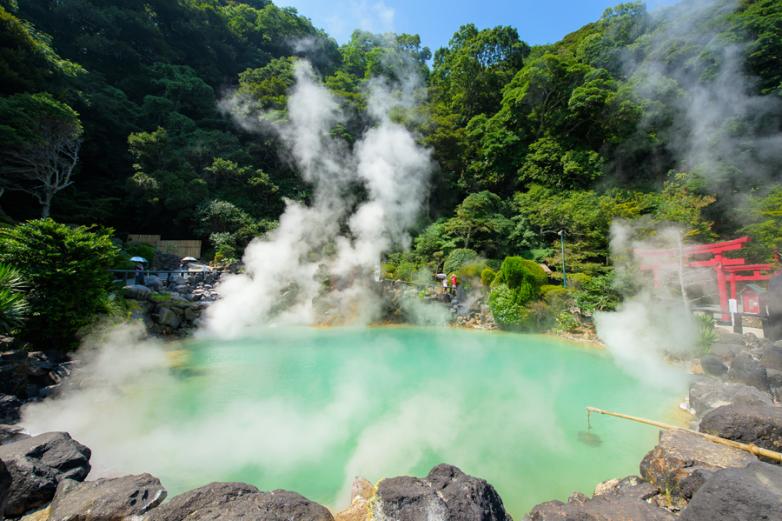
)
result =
(487, 276)
(516, 285)
(578, 280)
(67, 271)
(458, 258)
(506, 309)
(13, 304)
(706, 332)
(552, 291)
(598, 294)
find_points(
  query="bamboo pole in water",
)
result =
(757, 451)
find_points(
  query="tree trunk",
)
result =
(47, 205)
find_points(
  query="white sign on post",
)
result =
(733, 305)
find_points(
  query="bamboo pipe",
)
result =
(754, 449)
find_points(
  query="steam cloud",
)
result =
(335, 239)
(656, 322)
(719, 123)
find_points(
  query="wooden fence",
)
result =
(183, 248)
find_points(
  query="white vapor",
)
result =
(317, 265)
(655, 323)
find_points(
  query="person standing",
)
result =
(454, 283)
(140, 273)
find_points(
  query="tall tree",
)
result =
(41, 138)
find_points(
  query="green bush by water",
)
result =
(67, 272)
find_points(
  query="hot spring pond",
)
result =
(309, 409)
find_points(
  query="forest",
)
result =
(118, 114)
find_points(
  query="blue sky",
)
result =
(538, 21)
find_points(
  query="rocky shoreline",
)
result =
(734, 395)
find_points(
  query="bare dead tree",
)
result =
(44, 167)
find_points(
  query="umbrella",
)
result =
(189, 259)
(138, 259)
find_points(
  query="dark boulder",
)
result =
(405, 498)
(759, 425)
(228, 501)
(5, 486)
(710, 393)
(11, 433)
(106, 499)
(13, 373)
(279, 505)
(622, 500)
(38, 464)
(727, 350)
(712, 365)
(752, 493)
(137, 292)
(747, 370)
(445, 493)
(772, 358)
(466, 498)
(682, 461)
(9, 408)
(190, 504)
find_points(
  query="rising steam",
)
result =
(317, 265)
(656, 323)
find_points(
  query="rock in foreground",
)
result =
(106, 499)
(37, 465)
(681, 462)
(621, 500)
(710, 393)
(753, 493)
(189, 505)
(446, 493)
(238, 501)
(759, 425)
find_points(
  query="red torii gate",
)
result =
(727, 270)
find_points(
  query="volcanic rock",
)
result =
(747, 370)
(752, 493)
(13, 373)
(759, 425)
(712, 365)
(11, 433)
(9, 408)
(5, 486)
(619, 500)
(446, 493)
(682, 461)
(406, 498)
(38, 464)
(136, 292)
(189, 505)
(710, 393)
(106, 499)
(772, 358)
(221, 501)
(466, 498)
(727, 350)
(167, 317)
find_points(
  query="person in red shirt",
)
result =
(453, 283)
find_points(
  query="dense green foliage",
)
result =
(66, 271)
(667, 118)
(516, 284)
(13, 304)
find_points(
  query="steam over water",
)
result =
(310, 409)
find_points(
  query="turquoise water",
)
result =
(310, 409)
